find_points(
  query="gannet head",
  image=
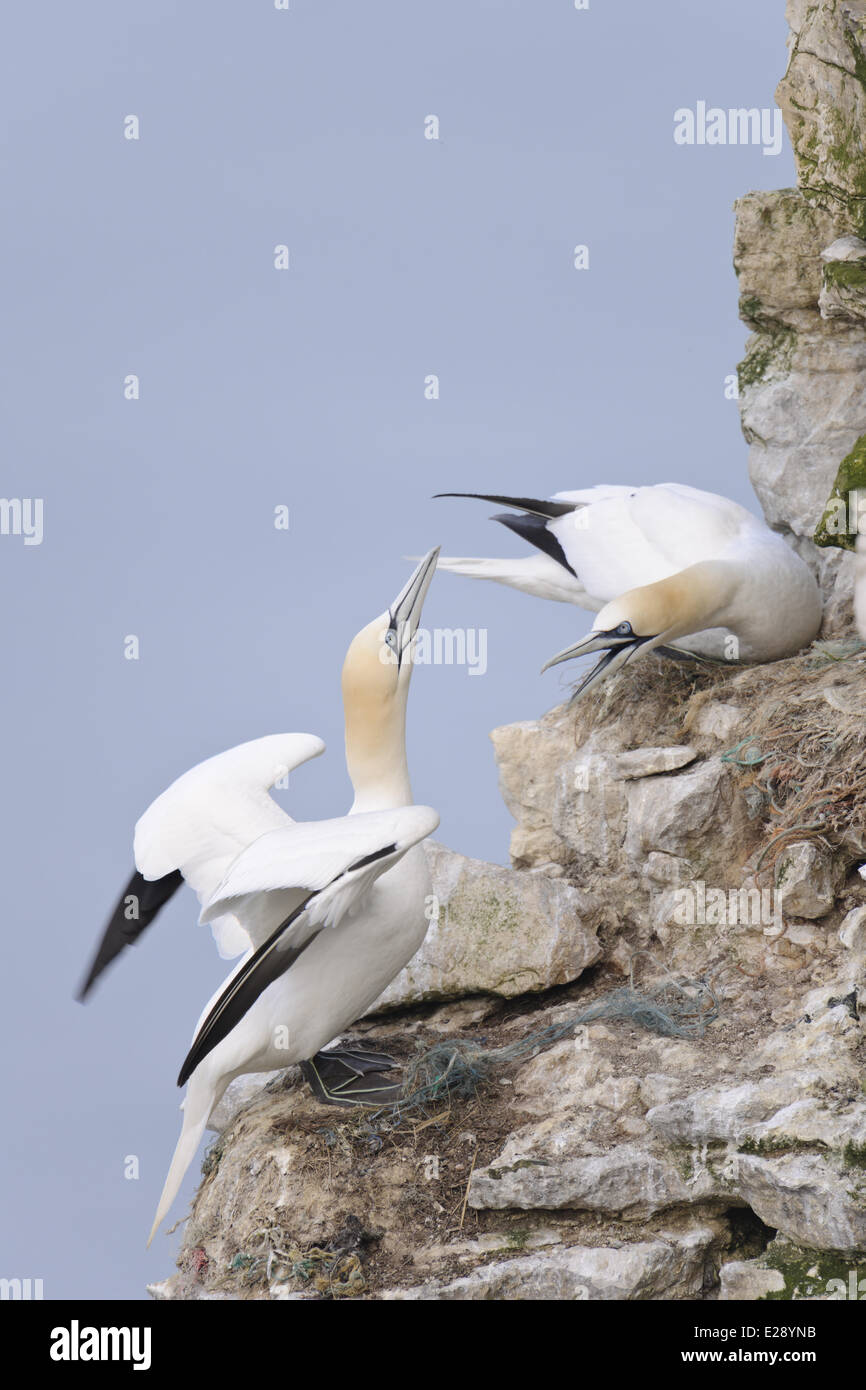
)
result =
(378, 664)
(648, 617)
(376, 676)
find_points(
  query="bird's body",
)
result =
(679, 565)
(326, 913)
(339, 972)
(357, 960)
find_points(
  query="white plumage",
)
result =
(324, 968)
(327, 912)
(206, 817)
(678, 565)
(315, 856)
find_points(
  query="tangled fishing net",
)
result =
(456, 1068)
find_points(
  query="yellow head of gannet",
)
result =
(653, 615)
(376, 675)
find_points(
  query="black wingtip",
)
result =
(534, 529)
(536, 506)
(83, 990)
(122, 931)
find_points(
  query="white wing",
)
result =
(202, 821)
(338, 860)
(620, 538)
(332, 866)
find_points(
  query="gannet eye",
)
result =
(624, 630)
(391, 639)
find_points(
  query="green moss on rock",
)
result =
(849, 275)
(776, 1144)
(854, 1155)
(765, 351)
(836, 526)
(806, 1272)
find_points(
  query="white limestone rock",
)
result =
(497, 931)
(748, 1280)
(843, 291)
(852, 932)
(661, 1268)
(806, 880)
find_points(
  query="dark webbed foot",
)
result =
(344, 1076)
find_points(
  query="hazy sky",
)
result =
(305, 388)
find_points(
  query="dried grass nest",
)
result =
(802, 734)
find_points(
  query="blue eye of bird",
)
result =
(624, 629)
(391, 637)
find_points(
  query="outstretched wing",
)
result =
(596, 543)
(331, 865)
(196, 828)
(135, 909)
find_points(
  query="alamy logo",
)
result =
(741, 125)
(846, 516)
(443, 646)
(698, 905)
(76, 1343)
(24, 1289)
(855, 1289)
(22, 516)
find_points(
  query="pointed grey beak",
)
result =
(406, 609)
(619, 645)
(594, 641)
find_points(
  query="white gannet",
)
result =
(860, 586)
(666, 566)
(328, 912)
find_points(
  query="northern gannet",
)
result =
(663, 566)
(328, 912)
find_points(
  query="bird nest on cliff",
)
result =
(804, 755)
(802, 745)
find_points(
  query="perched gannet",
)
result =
(860, 586)
(328, 912)
(664, 567)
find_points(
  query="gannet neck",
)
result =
(375, 688)
(697, 597)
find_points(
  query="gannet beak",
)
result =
(406, 609)
(619, 646)
(597, 641)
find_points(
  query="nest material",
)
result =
(805, 749)
(670, 1007)
(802, 743)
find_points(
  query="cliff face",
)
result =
(800, 255)
(684, 823)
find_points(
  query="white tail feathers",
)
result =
(201, 1096)
(476, 567)
(536, 574)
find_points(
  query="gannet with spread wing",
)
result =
(328, 912)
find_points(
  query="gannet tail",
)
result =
(200, 1099)
(531, 574)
